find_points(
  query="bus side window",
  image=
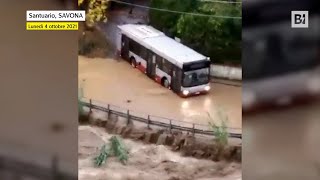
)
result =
(131, 45)
(164, 66)
(167, 67)
(134, 47)
(138, 48)
(170, 69)
(159, 62)
(143, 52)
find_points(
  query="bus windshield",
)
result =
(196, 77)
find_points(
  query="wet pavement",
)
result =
(117, 83)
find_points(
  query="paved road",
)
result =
(116, 82)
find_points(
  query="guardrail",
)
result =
(162, 122)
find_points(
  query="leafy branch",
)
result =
(95, 11)
(103, 156)
(220, 131)
(115, 148)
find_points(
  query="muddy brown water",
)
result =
(146, 161)
(116, 82)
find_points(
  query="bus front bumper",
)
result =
(196, 90)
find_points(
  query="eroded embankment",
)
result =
(146, 161)
(188, 145)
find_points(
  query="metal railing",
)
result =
(158, 121)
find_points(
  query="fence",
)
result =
(162, 122)
(14, 169)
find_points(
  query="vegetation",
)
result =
(80, 96)
(95, 11)
(115, 147)
(93, 43)
(218, 38)
(220, 131)
(80, 107)
(103, 156)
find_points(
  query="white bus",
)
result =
(168, 62)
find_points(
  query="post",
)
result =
(148, 121)
(193, 129)
(128, 117)
(90, 106)
(108, 111)
(170, 126)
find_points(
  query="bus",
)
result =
(163, 59)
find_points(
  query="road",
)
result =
(117, 83)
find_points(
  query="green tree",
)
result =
(165, 21)
(95, 11)
(218, 38)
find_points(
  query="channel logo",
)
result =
(299, 19)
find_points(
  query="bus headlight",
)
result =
(207, 88)
(185, 92)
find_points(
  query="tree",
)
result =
(165, 21)
(218, 38)
(95, 11)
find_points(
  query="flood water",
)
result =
(116, 82)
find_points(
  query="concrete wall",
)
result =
(226, 72)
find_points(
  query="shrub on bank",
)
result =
(93, 43)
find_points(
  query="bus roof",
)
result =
(161, 44)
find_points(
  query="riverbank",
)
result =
(147, 161)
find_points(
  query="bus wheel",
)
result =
(165, 83)
(133, 62)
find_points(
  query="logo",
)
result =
(299, 19)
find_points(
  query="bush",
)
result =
(93, 43)
(115, 147)
(220, 131)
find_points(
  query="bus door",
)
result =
(176, 79)
(125, 47)
(151, 64)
